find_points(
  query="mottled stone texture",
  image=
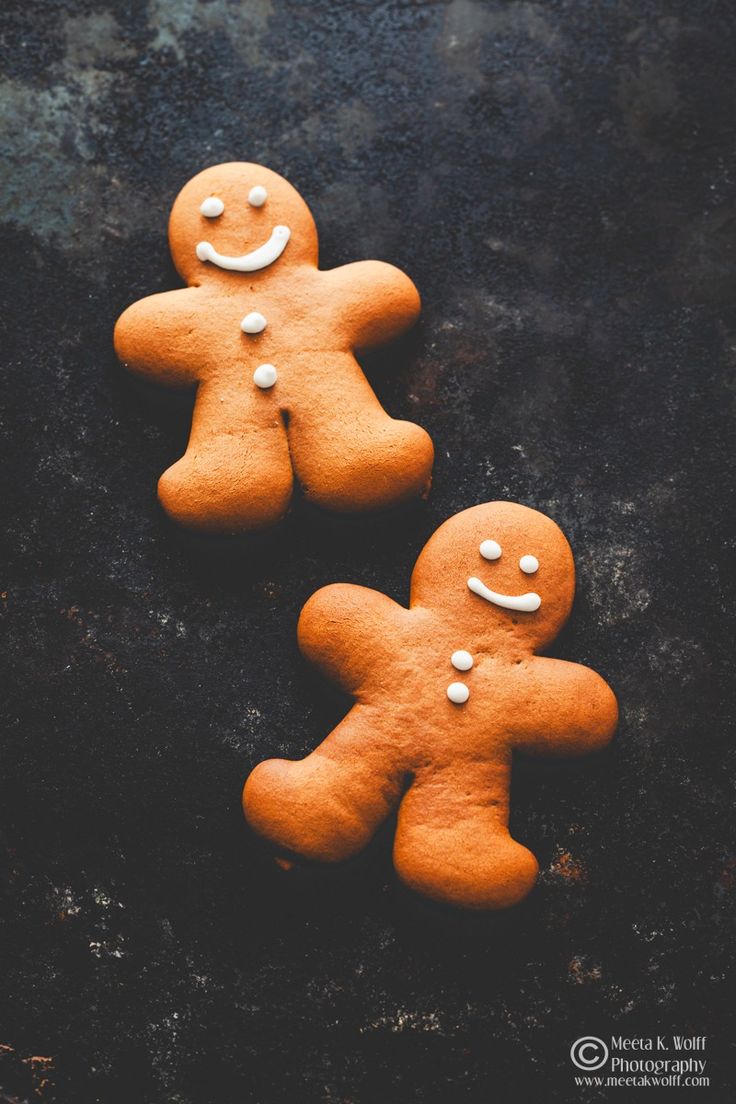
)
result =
(558, 178)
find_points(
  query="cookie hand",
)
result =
(572, 711)
(153, 337)
(347, 630)
(379, 300)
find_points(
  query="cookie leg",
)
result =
(328, 806)
(453, 845)
(236, 474)
(349, 455)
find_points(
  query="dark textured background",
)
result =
(558, 178)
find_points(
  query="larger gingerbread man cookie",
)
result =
(445, 691)
(269, 341)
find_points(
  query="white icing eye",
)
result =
(462, 660)
(458, 693)
(212, 207)
(257, 196)
(529, 564)
(490, 550)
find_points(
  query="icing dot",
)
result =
(265, 376)
(461, 661)
(253, 323)
(212, 207)
(490, 550)
(458, 693)
(257, 196)
(529, 564)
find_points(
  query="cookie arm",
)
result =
(157, 337)
(378, 301)
(347, 630)
(569, 710)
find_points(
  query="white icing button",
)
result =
(257, 196)
(265, 376)
(461, 661)
(490, 550)
(458, 693)
(212, 207)
(253, 323)
(529, 564)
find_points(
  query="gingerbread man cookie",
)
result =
(269, 341)
(444, 692)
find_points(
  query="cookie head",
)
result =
(239, 218)
(500, 568)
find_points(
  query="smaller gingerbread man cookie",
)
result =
(444, 692)
(269, 342)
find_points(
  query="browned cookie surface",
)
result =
(445, 691)
(269, 340)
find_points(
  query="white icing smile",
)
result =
(265, 255)
(526, 603)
